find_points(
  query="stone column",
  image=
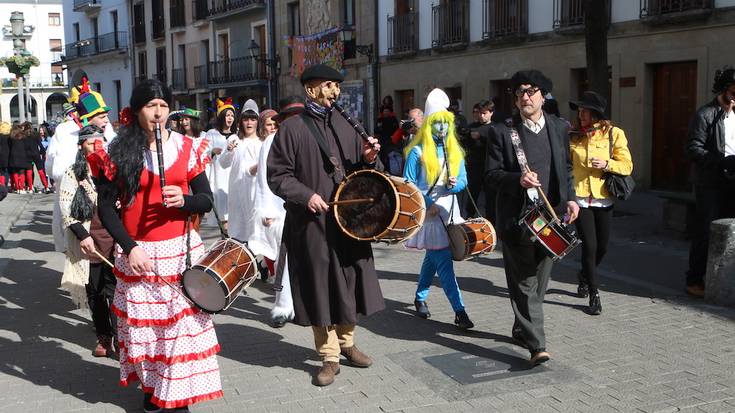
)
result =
(720, 279)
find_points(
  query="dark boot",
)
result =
(104, 347)
(583, 289)
(422, 310)
(148, 406)
(462, 320)
(326, 374)
(595, 305)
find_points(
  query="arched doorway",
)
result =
(14, 113)
(54, 106)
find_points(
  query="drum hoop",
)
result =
(395, 212)
(217, 278)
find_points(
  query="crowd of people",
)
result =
(23, 150)
(266, 177)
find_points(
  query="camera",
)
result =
(407, 125)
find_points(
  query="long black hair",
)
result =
(221, 122)
(82, 208)
(127, 151)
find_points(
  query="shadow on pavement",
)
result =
(476, 284)
(39, 324)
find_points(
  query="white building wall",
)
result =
(424, 10)
(625, 10)
(475, 20)
(540, 16)
(108, 68)
(385, 8)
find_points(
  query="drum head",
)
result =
(204, 289)
(368, 220)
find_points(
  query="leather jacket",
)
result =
(706, 144)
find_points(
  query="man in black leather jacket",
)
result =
(711, 147)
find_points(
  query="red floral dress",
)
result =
(167, 344)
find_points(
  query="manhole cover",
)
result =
(468, 369)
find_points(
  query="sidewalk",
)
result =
(651, 350)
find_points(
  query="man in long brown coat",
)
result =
(332, 275)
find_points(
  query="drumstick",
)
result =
(546, 201)
(103, 259)
(353, 201)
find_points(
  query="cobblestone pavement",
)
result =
(651, 350)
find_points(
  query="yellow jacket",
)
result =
(588, 181)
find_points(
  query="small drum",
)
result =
(473, 237)
(396, 213)
(215, 280)
(555, 236)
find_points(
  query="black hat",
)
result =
(288, 106)
(321, 72)
(89, 132)
(592, 101)
(532, 77)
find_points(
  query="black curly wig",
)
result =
(127, 151)
(723, 79)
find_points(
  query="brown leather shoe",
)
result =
(356, 357)
(326, 374)
(540, 357)
(695, 290)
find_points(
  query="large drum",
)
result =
(396, 212)
(473, 237)
(556, 237)
(215, 280)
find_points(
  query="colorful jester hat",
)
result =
(223, 104)
(90, 103)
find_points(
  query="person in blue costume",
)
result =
(435, 163)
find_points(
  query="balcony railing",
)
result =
(201, 76)
(178, 15)
(161, 76)
(503, 18)
(141, 78)
(238, 69)
(139, 33)
(230, 6)
(450, 23)
(96, 45)
(178, 79)
(403, 33)
(85, 5)
(569, 14)
(652, 8)
(158, 27)
(200, 9)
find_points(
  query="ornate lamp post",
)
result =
(272, 72)
(21, 62)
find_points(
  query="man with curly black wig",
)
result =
(711, 147)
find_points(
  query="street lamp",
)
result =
(271, 64)
(17, 23)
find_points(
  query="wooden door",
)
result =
(674, 103)
(405, 103)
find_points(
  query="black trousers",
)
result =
(100, 290)
(712, 203)
(593, 228)
(527, 271)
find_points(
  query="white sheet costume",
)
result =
(241, 194)
(218, 175)
(267, 240)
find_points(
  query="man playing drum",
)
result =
(545, 143)
(332, 275)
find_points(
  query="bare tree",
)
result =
(596, 22)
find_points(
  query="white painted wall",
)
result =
(103, 71)
(540, 16)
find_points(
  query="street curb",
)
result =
(8, 220)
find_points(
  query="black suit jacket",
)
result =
(706, 144)
(504, 174)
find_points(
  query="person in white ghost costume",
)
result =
(241, 156)
(270, 214)
(218, 138)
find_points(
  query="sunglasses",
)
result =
(527, 91)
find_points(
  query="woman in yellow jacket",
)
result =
(591, 158)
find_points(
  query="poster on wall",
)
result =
(352, 99)
(325, 47)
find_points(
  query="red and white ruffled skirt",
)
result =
(164, 342)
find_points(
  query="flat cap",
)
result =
(321, 72)
(532, 77)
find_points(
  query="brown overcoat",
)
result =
(332, 275)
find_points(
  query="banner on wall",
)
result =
(325, 47)
(352, 99)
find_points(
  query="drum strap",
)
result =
(337, 171)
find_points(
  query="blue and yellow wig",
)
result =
(429, 158)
